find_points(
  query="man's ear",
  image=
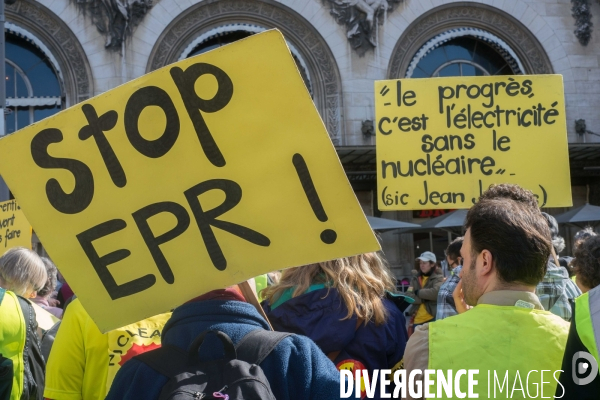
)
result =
(487, 262)
(33, 295)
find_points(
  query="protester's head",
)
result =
(506, 246)
(427, 263)
(361, 281)
(587, 263)
(512, 192)
(453, 257)
(557, 241)
(22, 271)
(581, 235)
(51, 272)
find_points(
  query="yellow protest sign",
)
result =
(194, 177)
(15, 230)
(441, 142)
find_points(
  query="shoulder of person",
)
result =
(437, 275)
(136, 380)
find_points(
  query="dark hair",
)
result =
(512, 192)
(50, 285)
(585, 233)
(517, 236)
(453, 249)
(433, 265)
(587, 262)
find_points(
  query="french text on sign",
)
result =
(194, 177)
(483, 130)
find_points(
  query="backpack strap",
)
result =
(167, 360)
(2, 292)
(258, 344)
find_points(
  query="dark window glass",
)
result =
(460, 48)
(34, 64)
(10, 120)
(10, 80)
(29, 75)
(434, 59)
(39, 113)
(463, 56)
(230, 37)
(218, 41)
(450, 70)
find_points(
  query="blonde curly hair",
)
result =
(360, 280)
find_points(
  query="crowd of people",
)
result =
(508, 302)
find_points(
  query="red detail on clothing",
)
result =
(231, 293)
(353, 365)
(137, 349)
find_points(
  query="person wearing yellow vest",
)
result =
(580, 378)
(83, 361)
(22, 274)
(12, 343)
(505, 337)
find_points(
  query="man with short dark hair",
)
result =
(506, 332)
(445, 303)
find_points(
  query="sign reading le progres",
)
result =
(441, 142)
(192, 178)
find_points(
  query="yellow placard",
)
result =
(194, 177)
(15, 230)
(441, 142)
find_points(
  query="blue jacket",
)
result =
(296, 369)
(320, 316)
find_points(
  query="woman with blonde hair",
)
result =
(343, 306)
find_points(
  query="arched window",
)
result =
(464, 52)
(230, 33)
(33, 90)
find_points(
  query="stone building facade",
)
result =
(341, 47)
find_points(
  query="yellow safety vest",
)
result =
(261, 282)
(500, 339)
(587, 320)
(12, 338)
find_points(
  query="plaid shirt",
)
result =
(445, 306)
(555, 291)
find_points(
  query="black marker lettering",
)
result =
(96, 128)
(81, 196)
(206, 220)
(142, 98)
(141, 218)
(185, 81)
(101, 264)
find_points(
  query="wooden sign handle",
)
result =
(249, 293)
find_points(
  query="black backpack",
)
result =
(33, 360)
(237, 376)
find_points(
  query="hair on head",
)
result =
(587, 261)
(512, 192)
(515, 234)
(22, 271)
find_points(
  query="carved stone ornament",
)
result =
(210, 14)
(582, 13)
(361, 19)
(115, 19)
(77, 82)
(473, 15)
